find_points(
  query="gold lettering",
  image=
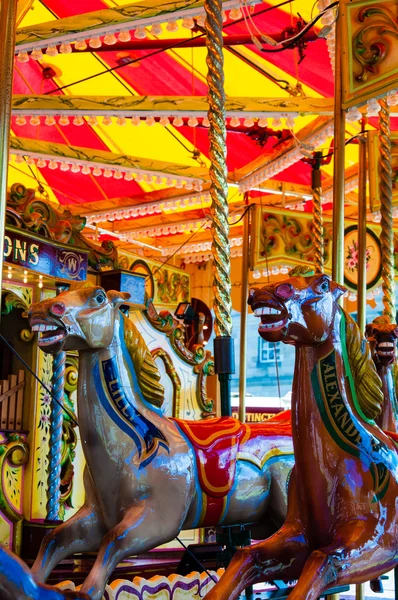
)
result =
(7, 246)
(345, 418)
(19, 250)
(337, 408)
(335, 397)
(33, 254)
(331, 386)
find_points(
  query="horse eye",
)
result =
(323, 287)
(99, 298)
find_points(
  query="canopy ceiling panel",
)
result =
(63, 87)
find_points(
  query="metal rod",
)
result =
(55, 442)
(8, 12)
(222, 305)
(243, 317)
(317, 219)
(360, 591)
(361, 306)
(339, 165)
(386, 223)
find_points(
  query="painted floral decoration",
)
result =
(352, 257)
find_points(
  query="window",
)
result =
(267, 350)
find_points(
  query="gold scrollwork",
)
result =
(14, 454)
(172, 373)
(69, 436)
(199, 358)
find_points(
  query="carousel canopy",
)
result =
(110, 114)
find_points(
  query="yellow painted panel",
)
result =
(37, 14)
(73, 67)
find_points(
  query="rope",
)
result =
(54, 469)
(387, 235)
(218, 170)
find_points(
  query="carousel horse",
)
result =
(382, 336)
(17, 583)
(342, 523)
(148, 476)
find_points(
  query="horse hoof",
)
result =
(376, 585)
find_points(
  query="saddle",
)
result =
(217, 442)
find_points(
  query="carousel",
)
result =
(198, 204)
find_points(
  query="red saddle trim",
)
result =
(216, 443)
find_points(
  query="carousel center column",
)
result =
(223, 343)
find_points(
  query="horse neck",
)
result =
(388, 418)
(96, 368)
(322, 393)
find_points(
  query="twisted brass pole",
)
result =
(387, 235)
(54, 459)
(222, 305)
(317, 219)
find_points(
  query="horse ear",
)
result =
(396, 332)
(369, 330)
(118, 298)
(337, 290)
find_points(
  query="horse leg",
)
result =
(345, 560)
(282, 556)
(140, 530)
(81, 533)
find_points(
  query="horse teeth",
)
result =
(43, 327)
(266, 310)
(386, 345)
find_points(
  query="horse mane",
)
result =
(148, 374)
(366, 380)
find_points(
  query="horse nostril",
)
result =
(58, 309)
(284, 291)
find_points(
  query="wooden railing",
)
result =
(11, 402)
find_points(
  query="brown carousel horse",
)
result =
(342, 521)
(382, 336)
(148, 476)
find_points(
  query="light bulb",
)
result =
(107, 120)
(121, 121)
(80, 45)
(78, 121)
(125, 36)
(86, 170)
(92, 120)
(192, 121)
(64, 166)
(188, 23)
(164, 121)
(52, 51)
(23, 57)
(35, 120)
(65, 48)
(20, 120)
(97, 172)
(140, 33)
(41, 163)
(150, 121)
(135, 121)
(37, 54)
(172, 26)
(53, 165)
(178, 122)
(49, 120)
(95, 42)
(234, 122)
(63, 121)
(235, 14)
(110, 39)
(75, 168)
(118, 175)
(156, 29)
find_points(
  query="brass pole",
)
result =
(361, 298)
(387, 234)
(8, 12)
(317, 221)
(338, 166)
(222, 305)
(360, 591)
(243, 316)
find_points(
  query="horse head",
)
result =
(77, 319)
(299, 310)
(382, 336)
